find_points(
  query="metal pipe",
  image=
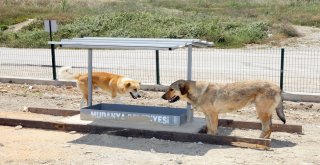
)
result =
(189, 77)
(53, 56)
(189, 72)
(157, 67)
(282, 69)
(89, 103)
(53, 60)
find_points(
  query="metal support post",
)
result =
(282, 69)
(53, 56)
(189, 77)
(89, 77)
(53, 59)
(157, 67)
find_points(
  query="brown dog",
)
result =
(115, 85)
(214, 98)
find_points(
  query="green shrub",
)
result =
(33, 39)
(64, 5)
(3, 27)
(224, 32)
(3, 38)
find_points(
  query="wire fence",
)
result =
(301, 66)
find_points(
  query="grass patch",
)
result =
(225, 33)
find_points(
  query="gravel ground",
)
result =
(32, 146)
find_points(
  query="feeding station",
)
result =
(134, 113)
(176, 124)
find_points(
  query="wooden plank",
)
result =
(255, 143)
(255, 125)
(222, 122)
(53, 112)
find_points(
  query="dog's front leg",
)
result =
(117, 100)
(82, 103)
(212, 123)
(208, 124)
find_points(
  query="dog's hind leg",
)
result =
(265, 107)
(85, 97)
(84, 91)
(266, 122)
(82, 103)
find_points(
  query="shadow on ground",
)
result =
(150, 145)
(275, 143)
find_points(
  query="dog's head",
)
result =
(132, 87)
(176, 90)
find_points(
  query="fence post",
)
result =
(157, 67)
(54, 72)
(53, 56)
(282, 69)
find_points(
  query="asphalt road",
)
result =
(301, 65)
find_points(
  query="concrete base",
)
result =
(190, 127)
(39, 81)
(302, 97)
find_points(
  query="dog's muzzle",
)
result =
(135, 95)
(170, 100)
(174, 99)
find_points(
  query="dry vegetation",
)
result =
(229, 23)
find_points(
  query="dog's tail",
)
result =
(280, 112)
(65, 73)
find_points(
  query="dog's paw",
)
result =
(212, 132)
(204, 130)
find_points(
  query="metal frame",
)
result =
(189, 77)
(132, 43)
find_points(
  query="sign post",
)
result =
(51, 26)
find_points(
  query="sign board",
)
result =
(135, 113)
(53, 24)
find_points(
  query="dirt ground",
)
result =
(309, 38)
(32, 146)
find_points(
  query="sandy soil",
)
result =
(309, 38)
(32, 146)
(19, 26)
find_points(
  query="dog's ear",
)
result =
(128, 85)
(184, 88)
